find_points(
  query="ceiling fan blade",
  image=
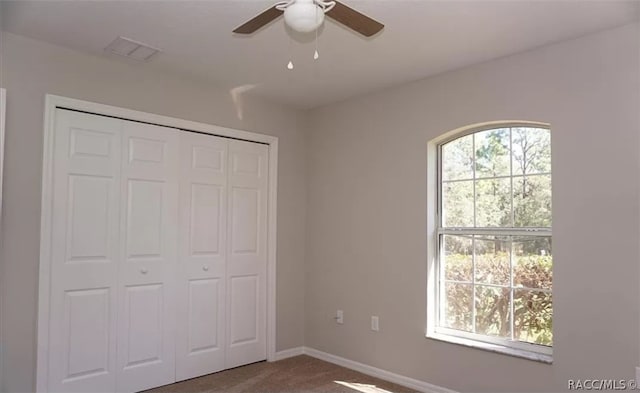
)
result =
(259, 21)
(355, 20)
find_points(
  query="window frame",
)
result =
(435, 230)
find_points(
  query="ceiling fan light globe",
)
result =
(304, 17)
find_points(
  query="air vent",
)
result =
(131, 49)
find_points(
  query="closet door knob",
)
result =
(205, 268)
(144, 271)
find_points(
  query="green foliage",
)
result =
(532, 308)
(492, 156)
(524, 153)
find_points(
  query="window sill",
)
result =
(520, 353)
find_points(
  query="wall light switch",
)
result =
(340, 317)
(375, 323)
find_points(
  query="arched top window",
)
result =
(497, 177)
(493, 259)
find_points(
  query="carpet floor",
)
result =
(297, 374)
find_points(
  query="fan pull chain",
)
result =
(290, 64)
(316, 55)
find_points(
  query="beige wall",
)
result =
(366, 247)
(29, 70)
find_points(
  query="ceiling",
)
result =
(421, 38)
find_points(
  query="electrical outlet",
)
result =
(375, 323)
(339, 317)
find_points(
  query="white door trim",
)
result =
(51, 103)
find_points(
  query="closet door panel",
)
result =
(243, 321)
(201, 318)
(149, 196)
(245, 225)
(204, 315)
(247, 253)
(84, 261)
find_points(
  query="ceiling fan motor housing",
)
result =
(304, 16)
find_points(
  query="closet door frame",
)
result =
(54, 102)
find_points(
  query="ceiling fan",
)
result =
(306, 16)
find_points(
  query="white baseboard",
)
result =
(416, 384)
(289, 353)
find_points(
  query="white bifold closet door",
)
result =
(148, 256)
(223, 202)
(158, 268)
(85, 247)
(246, 254)
(200, 348)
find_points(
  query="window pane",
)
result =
(531, 150)
(492, 153)
(493, 204)
(532, 263)
(457, 159)
(457, 312)
(532, 201)
(492, 311)
(458, 262)
(533, 312)
(492, 260)
(457, 204)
